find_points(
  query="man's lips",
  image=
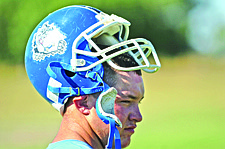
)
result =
(130, 129)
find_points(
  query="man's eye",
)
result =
(125, 101)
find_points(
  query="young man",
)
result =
(79, 59)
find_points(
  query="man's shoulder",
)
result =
(69, 144)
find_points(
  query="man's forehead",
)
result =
(130, 85)
(127, 76)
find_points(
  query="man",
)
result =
(79, 59)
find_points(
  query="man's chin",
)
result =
(125, 142)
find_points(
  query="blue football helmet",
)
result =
(63, 57)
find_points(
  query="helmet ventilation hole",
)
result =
(69, 73)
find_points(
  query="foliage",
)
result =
(154, 20)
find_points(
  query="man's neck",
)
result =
(77, 129)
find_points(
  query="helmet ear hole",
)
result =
(69, 73)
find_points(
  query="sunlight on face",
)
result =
(130, 89)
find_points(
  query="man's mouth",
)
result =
(130, 129)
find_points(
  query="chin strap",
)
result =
(114, 132)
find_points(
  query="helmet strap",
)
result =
(114, 132)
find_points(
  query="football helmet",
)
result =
(63, 57)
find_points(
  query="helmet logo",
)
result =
(48, 41)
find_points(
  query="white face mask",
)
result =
(103, 33)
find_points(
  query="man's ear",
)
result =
(82, 104)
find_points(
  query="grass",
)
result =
(184, 107)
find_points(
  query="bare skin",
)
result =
(130, 92)
(80, 121)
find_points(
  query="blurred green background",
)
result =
(184, 106)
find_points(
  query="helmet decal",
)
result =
(48, 41)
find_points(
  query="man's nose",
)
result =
(135, 115)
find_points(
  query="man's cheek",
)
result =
(121, 113)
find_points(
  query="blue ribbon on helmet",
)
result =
(78, 90)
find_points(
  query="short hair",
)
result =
(123, 60)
